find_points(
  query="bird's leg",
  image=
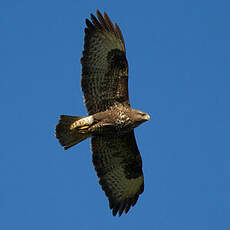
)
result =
(83, 123)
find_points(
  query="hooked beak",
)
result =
(147, 117)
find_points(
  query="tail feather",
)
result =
(69, 137)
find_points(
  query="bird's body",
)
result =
(111, 120)
(119, 120)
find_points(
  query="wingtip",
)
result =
(98, 12)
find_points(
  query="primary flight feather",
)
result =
(111, 119)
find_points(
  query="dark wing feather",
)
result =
(104, 65)
(119, 166)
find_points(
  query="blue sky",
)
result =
(179, 65)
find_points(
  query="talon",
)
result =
(82, 131)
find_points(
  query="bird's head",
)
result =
(140, 117)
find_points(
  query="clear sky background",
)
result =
(179, 65)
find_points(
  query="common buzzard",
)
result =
(111, 120)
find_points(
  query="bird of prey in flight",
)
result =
(111, 120)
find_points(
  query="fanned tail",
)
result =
(67, 136)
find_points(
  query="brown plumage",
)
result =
(111, 120)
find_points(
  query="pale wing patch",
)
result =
(126, 187)
(99, 46)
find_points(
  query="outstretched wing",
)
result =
(119, 166)
(104, 65)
